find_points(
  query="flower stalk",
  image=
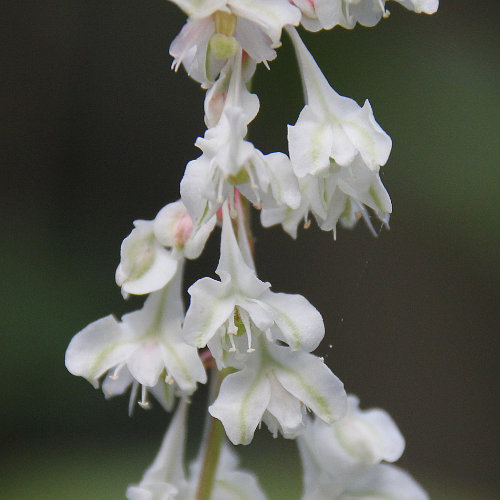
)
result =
(257, 343)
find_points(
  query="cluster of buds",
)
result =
(258, 343)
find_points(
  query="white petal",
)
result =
(193, 189)
(284, 185)
(242, 400)
(145, 265)
(421, 6)
(299, 322)
(392, 443)
(146, 363)
(183, 364)
(200, 8)
(271, 15)
(367, 135)
(254, 41)
(311, 381)
(237, 485)
(285, 408)
(166, 474)
(99, 347)
(211, 305)
(233, 264)
(382, 482)
(165, 221)
(116, 384)
(309, 143)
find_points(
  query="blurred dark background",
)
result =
(96, 130)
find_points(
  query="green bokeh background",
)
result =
(96, 131)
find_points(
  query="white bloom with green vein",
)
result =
(275, 386)
(342, 461)
(240, 302)
(144, 346)
(331, 127)
(152, 253)
(217, 29)
(339, 195)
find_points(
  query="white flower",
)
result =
(420, 6)
(342, 461)
(166, 478)
(340, 196)
(275, 386)
(146, 345)
(332, 127)
(240, 300)
(217, 29)
(229, 160)
(325, 14)
(146, 265)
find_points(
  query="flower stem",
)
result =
(213, 445)
(215, 433)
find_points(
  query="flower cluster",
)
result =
(259, 341)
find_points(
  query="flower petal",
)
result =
(99, 347)
(242, 400)
(211, 305)
(385, 481)
(311, 381)
(299, 322)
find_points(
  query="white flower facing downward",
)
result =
(150, 255)
(275, 386)
(229, 160)
(332, 127)
(325, 14)
(341, 195)
(240, 300)
(343, 461)
(217, 29)
(166, 478)
(145, 346)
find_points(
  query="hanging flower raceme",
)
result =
(325, 14)
(343, 460)
(145, 348)
(217, 29)
(152, 253)
(229, 160)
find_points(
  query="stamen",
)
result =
(144, 403)
(367, 220)
(169, 379)
(246, 323)
(233, 347)
(231, 327)
(117, 371)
